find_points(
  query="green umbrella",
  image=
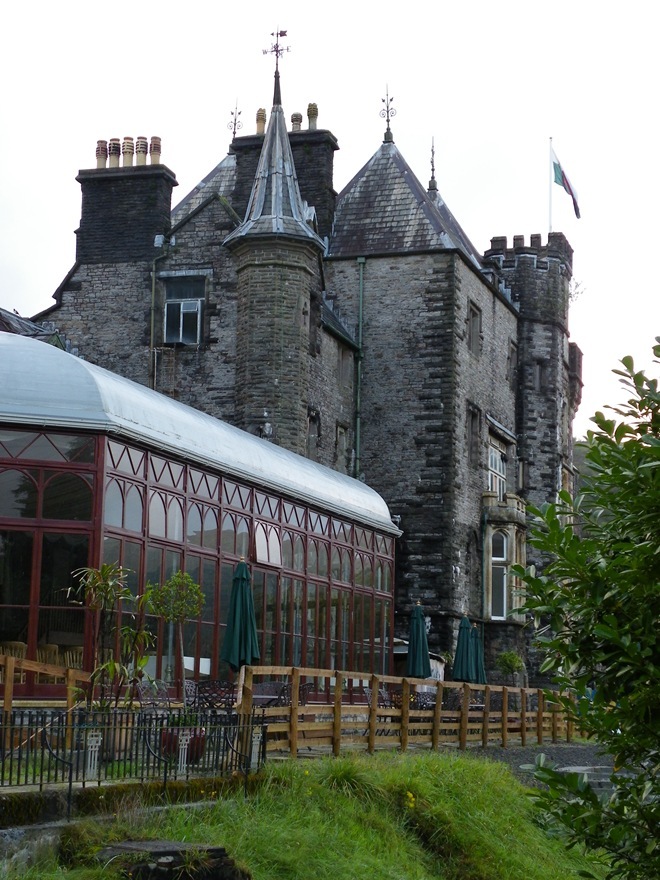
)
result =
(241, 644)
(477, 649)
(418, 665)
(464, 668)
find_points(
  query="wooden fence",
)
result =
(338, 716)
(411, 712)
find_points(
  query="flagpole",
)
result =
(550, 191)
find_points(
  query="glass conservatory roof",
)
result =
(45, 387)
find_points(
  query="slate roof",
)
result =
(220, 181)
(385, 209)
(276, 206)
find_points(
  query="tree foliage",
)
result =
(598, 598)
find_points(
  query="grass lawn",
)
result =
(422, 816)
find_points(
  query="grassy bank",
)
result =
(418, 816)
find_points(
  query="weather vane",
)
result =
(276, 48)
(387, 112)
(432, 158)
(235, 124)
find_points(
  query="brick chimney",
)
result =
(123, 208)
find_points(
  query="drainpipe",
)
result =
(358, 380)
(159, 241)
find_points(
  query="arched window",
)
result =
(67, 496)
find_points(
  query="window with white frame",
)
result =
(497, 467)
(498, 575)
(184, 300)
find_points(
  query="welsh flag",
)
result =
(562, 180)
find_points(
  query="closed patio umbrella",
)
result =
(464, 667)
(477, 649)
(241, 645)
(418, 664)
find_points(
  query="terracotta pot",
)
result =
(170, 743)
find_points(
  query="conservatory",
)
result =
(95, 468)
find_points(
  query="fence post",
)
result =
(540, 702)
(485, 718)
(373, 713)
(569, 720)
(336, 717)
(465, 709)
(437, 715)
(523, 717)
(293, 719)
(554, 721)
(405, 713)
(505, 716)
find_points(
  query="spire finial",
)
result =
(235, 124)
(433, 184)
(277, 50)
(387, 113)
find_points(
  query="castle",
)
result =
(362, 330)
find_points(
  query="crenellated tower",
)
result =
(549, 367)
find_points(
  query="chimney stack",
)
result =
(141, 150)
(154, 150)
(101, 154)
(127, 151)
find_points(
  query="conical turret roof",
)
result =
(276, 206)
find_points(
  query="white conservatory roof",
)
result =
(45, 387)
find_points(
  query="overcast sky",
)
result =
(488, 82)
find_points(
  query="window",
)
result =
(184, 297)
(473, 434)
(497, 467)
(499, 566)
(512, 365)
(474, 329)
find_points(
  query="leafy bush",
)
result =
(600, 597)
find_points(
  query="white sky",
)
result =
(490, 82)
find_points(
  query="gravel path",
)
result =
(573, 755)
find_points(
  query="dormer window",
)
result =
(184, 300)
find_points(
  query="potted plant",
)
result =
(510, 663)
(184, 724)
(177, 600)
(118, 652)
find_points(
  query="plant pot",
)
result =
(169, 743)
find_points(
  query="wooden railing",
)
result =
(337, 717)
(423, 712)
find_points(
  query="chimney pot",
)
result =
(312, 116)
(261, 120)
(101, 153)
(141, 150)
(127, 150)
(154, 150)
(114, 152)
(296, 121)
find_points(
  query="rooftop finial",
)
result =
(387, 113)
(433, 184)
(235, 124)
(277, 50)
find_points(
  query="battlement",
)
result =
(557, 248)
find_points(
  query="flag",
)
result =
(562, 180)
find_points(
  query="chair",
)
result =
(48, 654)
(154, 697)
(385, 701)
(214, 695)
(73, 657)
(18, 650)
(190, 693)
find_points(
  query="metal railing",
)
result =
(46, 748)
